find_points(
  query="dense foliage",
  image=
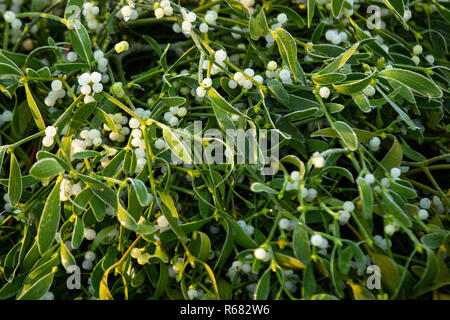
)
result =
(99, 101)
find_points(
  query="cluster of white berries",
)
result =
(140, 255)
(374, 144)
(171, 115)
(50, 133)
(89, 12)
(15, 6)
(241, 80)
(290, 283)
(336, 37)
(163, 9)
(5, 116)
(122, 131)
(10, 17)
(92, 137)
(439, 205)
(189, 19)
(345, 214)
(137, 140)
(56, 93)
(219, 56)
(7, 205)
(249, 229)
(195, 294)
(102, 64)
(318, 241)
(88, 262)
(417, 50)
(287, 224)
(425, 205)
(128, 12)
(381, 242)
(67, 189)
(90, 84)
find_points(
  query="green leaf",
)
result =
(106, 119)
(101, 190)
(403, 188)
(288, 262)
(346, 134)
(141, 192)
(3, 150)
(366, 195)
(34, 108)
(6, 69)
(339, 61)
(430, 271)
(416, 82)
(200, 245)
(390, 275)
(292, 14)
(67, 258)
(78, 233)
(46, 168)
(15, 181)
(259, 187)
(300, 242)
(85, 154)
(361, 293)
(310, 4)
(352, 87)
(174, 101)
(361, 101)
(258, 25)
(443, 11)
(262, 289)
(392, 159)
(395, 210)
(36, 289)
(336, 7)
(171, 214)
(70, 66)
(81, 43)
(288, 51)
(176, 144)
(278, 90)
(45, 155)
(49, 222)
(239, 235)
(328, 78)
(338, 170)
(397, 7)
(219, 102)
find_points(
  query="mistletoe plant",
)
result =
(224, 149)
